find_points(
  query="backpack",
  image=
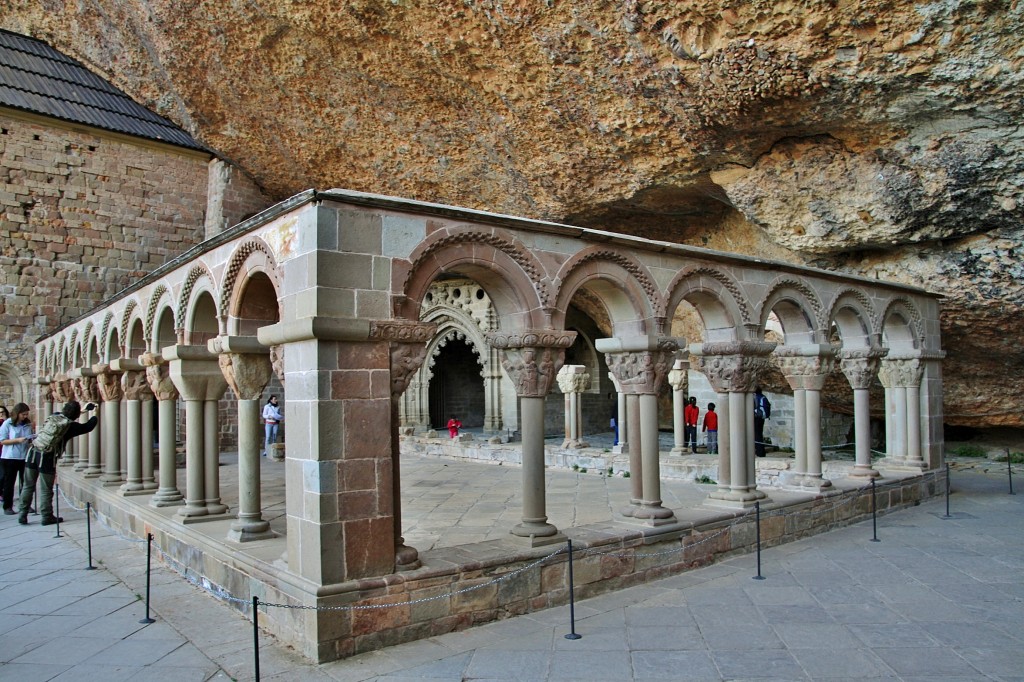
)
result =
(50, 438)
(762, 408)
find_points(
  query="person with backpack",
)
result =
(762, 411)
(15, 436)
(41, 461)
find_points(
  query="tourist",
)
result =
(272, 417)
(4, 416)
(15, 436)
(690, 415)
(711, 428)
(41, 463)
(453, 426)
(762, 411)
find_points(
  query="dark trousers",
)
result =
(13, 468)
(690, 437)
(759, 436)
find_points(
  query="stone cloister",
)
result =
(333, 291)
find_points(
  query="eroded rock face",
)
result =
(873, 137)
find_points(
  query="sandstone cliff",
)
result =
(877, 137)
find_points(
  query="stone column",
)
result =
(677, 379)
(134, 386)
(87, 388)
(621, 419)
(806, 367)
(492, 394)
(532, 359)
(902, 377)
(211, 456)
(146, 438)
(245, 364)
(573, 380)
(732, 368)
(109, 383)
(197, 376)
(640, 366)
(407, 349)
(166, 394)
(861, 368)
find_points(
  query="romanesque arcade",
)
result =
(335, 293)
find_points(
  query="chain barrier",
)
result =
(68, 501)
(114, 531)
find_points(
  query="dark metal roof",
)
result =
(35, 77)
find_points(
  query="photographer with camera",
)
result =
(41, 462)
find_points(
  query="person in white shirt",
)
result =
(272, 417)
(15, 436)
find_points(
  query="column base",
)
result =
(861, 471)
(130, 489)
(619, 449)
(150, 485)
(215, 507)
(538, 540)
(167, 498)
(406, 558)
(679, 451)
(188, 520)
(735, 499)
(110, 482)
(538, 531)
(193, 510)
(92, 473)
(81, 466)
(250, 531)
(654, 515)
(905, 464)
(574, 444)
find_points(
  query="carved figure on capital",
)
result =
(109, 385)
(640, 372)
(158, 374)
(678, 377)
(408, 348)
(277, 362)
(246, 373)
(573, 379)
(532, 358)
(59, 388)
(901, 372)
(87, 389)
(861, 367)
(807, 372)
(135, 386)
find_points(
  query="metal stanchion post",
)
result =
(947, 516)
(88, 534)
(757, 522)
(149, 568)
(572, 602)
(1009, 471)
(874, 519)
(56, 507)
(256, 634)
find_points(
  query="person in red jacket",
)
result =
(711, 428)
(453, 426)
(690, 414)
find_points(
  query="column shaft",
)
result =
(914, 425)
(112, 442)
(211, 458)
(535, 518)
(95, 467)
(799, 433)
(195, 496)
(724, 443)
(900, 437)
(649, 447)
(678, 400)
(636, 466)
(862, 433)
(250, 524)
(738, 439)
(167, 495)
(133, 427)
(814, 475)
(146, 445)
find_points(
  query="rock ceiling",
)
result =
(875, 137)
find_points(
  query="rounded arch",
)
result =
(251, 265)
(156, 296)
(716, 297)
(798, 309)
(513, 278)
(131, 310)
(18, 387)
(901, 326)
(199, 276)
(619, 281)
(61, 359)
(852, 313)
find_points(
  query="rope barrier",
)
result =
(68, 501)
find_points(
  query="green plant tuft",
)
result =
(625, 474)
(704, 478)
(970, 451)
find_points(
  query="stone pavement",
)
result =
(936, 598)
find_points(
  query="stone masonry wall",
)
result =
(83, 214)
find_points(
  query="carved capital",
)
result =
(532, 369)
(135, 386)
(733, 367)
(109, 383)
(246, 373)
(861, 366)
(573, 379)
(678, 377)
(531, 338)
(807, 372)
(158, 375)
(901, 373)
(87, 389)
(407, 346)
(640, 372)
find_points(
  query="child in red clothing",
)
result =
(453, 426)
(711, 428)
(690, 415)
